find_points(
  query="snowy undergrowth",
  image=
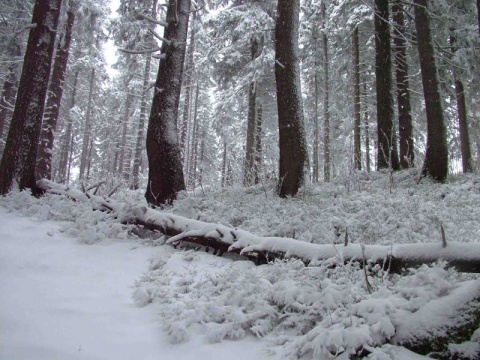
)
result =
(78, 219)
(302, 311)
(372, 214)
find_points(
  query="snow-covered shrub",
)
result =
(311, 311)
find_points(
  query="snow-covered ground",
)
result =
(61, 299)
(75, 285)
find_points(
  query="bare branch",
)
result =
(147, 51)
(152, 20)
(159, 37)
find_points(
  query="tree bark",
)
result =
(357, 151)
(258, 143)
(141, 125)
(467, 162)
(123, 141)
(88, 127)
(50, 118)
(20, 154)
(387, 155)
(293, 150)
(316, 144)
(189, 68)
(64, 158)
(249, 174)
(7, 99)
(327, 164)
(367, 130)
(192, 173)
(436, 157)
(165, 175)
(405, 126)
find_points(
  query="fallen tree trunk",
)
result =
(465, 257)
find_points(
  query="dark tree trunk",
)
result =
(192, 173)
(258, 144)
(88, 127)
(405, 127)
(387, 155)
(357, 152)
(467, 162)
(189, 68)
(327, 164)
(316, 165)
(50, 118)
(367, 130)
(20, 154)
(64, 158)
(141, 125)
(249, 167)
(293, 150)
(7, 99)
(165, 175)
(436, 157)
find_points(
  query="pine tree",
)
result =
(20, 155)
(165, 175)
(436, 157)
(292, 142)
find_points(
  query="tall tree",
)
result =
(326, 100)
(249, 174)
(87, 131)
(467, 162)
(405, 126)
(292, 143)
(357, 153)
(20, 154)
(387, 155)
(436, 157)
(165, 175)
(52, 110)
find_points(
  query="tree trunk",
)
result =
(141, 125)
(405, 127)
(224, 162)
(467, 162)
(367, 131)
(64, 159)
(258, 143)
(293, 150)
(6, 100)
(194, 146)
(50, 118)
(165, 175)
(465, 257)
(249, 175)
(88, 127)
(387, 155)
(315, 153)
(357, 152)
(326, 106)
(478, 15)
(189, 68)
(436, 157)
(123, 141)
(20, 154)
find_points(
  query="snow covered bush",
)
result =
(311, 311)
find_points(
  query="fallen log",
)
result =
(465, 257)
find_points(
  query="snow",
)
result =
(75, 284)
(62, 299)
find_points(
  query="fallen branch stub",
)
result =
(465, 257)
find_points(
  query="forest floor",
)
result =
(75, 284)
